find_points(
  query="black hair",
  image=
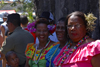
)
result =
(62, 19)
(41, 20)
(24, 19)
(14, 18)
(8, 54)
(81, 15)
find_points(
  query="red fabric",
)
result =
(33, 34)
(53, 30)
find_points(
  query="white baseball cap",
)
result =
(5, 15)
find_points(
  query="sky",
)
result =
(11, 0)
(15, 0)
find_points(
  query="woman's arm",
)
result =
(27, 65)
(3, 32)
(1, 41)
(96, 61)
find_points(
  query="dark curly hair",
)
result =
(41, 20)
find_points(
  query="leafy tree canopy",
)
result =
(27, 6)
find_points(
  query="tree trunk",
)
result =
(61, 8)
(44, 5)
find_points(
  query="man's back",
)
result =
(17, 42)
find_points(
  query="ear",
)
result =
(11, 24)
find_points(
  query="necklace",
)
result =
(34, 58)
(54, 53)
(70, 52)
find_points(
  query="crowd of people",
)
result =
(65, 44)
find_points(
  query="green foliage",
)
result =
(2, 4)
(30, 17)
(13, 4)
(26, 7)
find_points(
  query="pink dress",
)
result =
(81, 57)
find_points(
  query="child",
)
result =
(12, 59)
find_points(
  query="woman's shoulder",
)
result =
(94, 43)
(85, 52)
(30, 45)
(30, 50)
(94, 46)
(53, 43)
(52, 51)
(89, 40)
(53, 48)
(89, 49)
(91, 46)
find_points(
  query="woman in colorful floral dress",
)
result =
(35, 53)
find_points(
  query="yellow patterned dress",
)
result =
(37, 59)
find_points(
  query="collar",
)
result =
(18, 28)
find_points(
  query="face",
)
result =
(76, 28)
(42, 32)
(13, 60)
(9, 26)
(4, 19)
(60, 31)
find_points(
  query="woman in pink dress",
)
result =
(82, 51)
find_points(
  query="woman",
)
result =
(35, 53)
(61, 32)
(49, 16)
(82, 51)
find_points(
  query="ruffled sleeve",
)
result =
(94, 48)
(30, 50)
(84, 52)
